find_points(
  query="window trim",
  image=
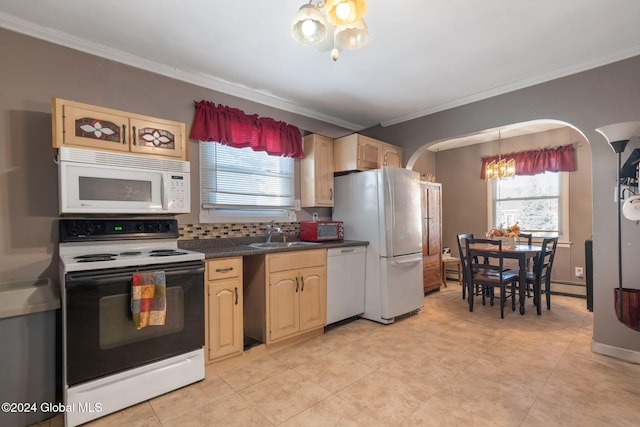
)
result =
(564, 235)
(226, 214)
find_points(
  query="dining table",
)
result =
(521, 253)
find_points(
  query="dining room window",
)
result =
(538, 203)
(242, 185)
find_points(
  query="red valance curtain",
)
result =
(231, 126)
(558, 159)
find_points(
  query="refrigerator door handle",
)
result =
(406, 261)
(390, 239)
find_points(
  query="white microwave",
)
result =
(103, 182)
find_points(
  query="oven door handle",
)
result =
(80, 280)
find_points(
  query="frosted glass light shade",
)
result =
(342, 12)
(352, 36)
(619, 133)
(309, 25)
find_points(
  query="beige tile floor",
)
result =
(441, 367)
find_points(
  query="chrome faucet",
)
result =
(271, 229)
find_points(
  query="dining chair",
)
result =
(526, 237)
(542, 272)
(490, 272)
(463, 259)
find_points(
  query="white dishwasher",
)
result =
(345, 282)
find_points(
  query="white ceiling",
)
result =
(423, 56)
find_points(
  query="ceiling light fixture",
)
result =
(501, 168)
(331, 24)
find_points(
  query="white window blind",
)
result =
(240, 180)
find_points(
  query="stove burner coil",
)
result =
(96, 258)
(166, 252)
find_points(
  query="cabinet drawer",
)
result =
(224, 268)
(296, 260)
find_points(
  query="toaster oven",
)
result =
(321, 231)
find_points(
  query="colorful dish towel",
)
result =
(148, 298)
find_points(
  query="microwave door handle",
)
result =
(163, 194)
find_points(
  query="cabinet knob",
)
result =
(236, 290)
(133, 135)
(124, 134)
(297, 285)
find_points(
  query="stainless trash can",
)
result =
(29, 351)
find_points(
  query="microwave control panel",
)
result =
(178, 193)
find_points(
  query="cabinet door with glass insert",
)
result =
(91, 128)
(155, 136)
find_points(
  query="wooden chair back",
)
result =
(462, 250)
(525, 238)
(544, 262)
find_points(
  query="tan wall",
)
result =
(465, 194)
(34, 71)
(586, 100)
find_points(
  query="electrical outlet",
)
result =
(579, 272)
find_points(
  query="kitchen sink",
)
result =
(275, 245)
(300, 243)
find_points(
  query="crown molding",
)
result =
(12, 23)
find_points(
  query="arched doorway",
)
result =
(466, 204)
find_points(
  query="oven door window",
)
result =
(116, 323)
(111, 188)
(100, 336)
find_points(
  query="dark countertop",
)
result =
(230, 247)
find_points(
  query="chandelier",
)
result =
(501, 168)
(334, 25)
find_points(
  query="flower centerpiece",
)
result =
(508, 235)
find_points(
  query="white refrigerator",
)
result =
(383, 207)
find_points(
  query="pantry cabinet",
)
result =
(224, 335)
(431, 195)
(287, 293)
(88, 126)
(316, 172)
(359, 152)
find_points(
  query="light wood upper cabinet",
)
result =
(359, 152)
(224, 335)
(88, 126)
(316, 170)
(391, 155)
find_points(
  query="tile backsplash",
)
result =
(221, 231)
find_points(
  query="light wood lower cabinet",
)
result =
(224, 307)
(288, 294)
